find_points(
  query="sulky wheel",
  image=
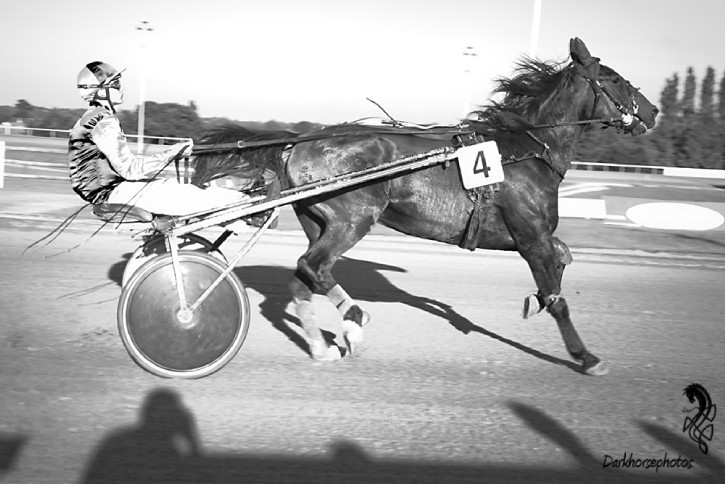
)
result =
(156, 245)
(164, 342)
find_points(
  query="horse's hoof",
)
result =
(601, 368)
(353, 335)
(531, 306)
(321, 352)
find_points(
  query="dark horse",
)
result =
(537, 126)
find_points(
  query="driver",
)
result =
(104, 170)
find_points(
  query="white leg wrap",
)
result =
(306, 313)
(319, 349)
(342, 300)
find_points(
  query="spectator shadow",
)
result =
(164, 448)
(164, 441)
(10, 446)
(590, 467)
(549, 428)
(683, 446)
(364, 281)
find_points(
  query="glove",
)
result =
(180, 150)
(187, 147)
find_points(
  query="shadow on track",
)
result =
(364, 280)
(10, 446)
(682, 446)
(164, 448)
(717, 245)
(115, 272)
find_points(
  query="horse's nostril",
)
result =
(655, 111)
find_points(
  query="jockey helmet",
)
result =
(95, 79)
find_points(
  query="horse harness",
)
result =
(482, 195)
(461, 135)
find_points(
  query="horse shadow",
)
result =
(164, 446)
(365, 281)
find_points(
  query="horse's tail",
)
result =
(218, 155)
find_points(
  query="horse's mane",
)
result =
(249, 164)
(533, 82)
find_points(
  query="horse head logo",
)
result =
(705, 410)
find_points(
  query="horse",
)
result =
(537, 125)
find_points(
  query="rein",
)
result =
(626, 118)
(241, 144)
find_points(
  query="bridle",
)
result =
(627, 117)
(620, 116)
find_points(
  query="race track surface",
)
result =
(452, 385)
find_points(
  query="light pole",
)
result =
(468, 55)
(144, 28)
(536, 20)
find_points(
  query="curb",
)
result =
(408, 243)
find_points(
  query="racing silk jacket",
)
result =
(99, 157)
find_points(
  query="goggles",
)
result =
(112, 82)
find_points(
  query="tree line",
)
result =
(689, 131)
(160, 119)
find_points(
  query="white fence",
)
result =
(2, 164)
(63, 134)
(52, 142)
(652, 170)
(44, 157)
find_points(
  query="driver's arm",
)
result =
(111, 140)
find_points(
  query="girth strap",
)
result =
(481, 198)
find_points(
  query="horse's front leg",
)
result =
(545, 260)
(534, 303)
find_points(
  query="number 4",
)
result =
(480, 166)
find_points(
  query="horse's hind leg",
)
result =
(340, 233)
(301, 288)
(353, 317)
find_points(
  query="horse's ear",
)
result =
(580, 54)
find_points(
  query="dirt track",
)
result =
(452, 386)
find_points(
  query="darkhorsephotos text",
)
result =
(628, 461)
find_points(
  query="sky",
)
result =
(324, 60)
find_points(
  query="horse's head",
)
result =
(615, 99)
